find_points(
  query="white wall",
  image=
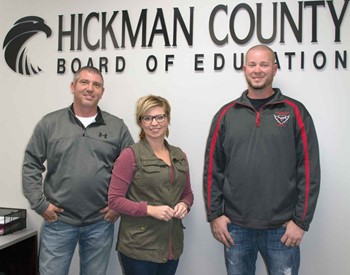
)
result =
(195, 97)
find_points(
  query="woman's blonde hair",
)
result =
(147, 102)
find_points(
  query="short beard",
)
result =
(261, 86)
(256, 87)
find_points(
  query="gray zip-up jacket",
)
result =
(79, 164)
(262, 167)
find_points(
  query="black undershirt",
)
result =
(258, 103)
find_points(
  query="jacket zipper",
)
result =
(258, 113)
(257, 119)
(85, 128)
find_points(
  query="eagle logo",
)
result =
(15, 40)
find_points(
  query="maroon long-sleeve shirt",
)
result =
(122, 176)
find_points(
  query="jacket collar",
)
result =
(174, 154)
(278, 98)
(99, 118)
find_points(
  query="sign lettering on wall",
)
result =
(114, 32)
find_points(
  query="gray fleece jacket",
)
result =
(78, 162)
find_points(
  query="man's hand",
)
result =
(50, 213)
(219, 230)
(110, 215)
(293, 235)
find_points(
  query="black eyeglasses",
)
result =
(158, 118)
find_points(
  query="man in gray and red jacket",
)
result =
(261, 173)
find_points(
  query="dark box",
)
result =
(12, 219)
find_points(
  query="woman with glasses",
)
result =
(150, 188)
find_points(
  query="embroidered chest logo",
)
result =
(281, 118)
(102, 135)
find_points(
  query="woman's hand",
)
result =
(162, 212)
(181, 210)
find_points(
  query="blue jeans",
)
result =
(58, 242)
(279, 259)
(138, 267)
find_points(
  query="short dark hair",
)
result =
(90, 69)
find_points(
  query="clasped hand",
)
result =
(166, 213)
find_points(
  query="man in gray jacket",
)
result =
(79, 145)
(262, 173)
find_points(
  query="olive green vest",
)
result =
(147, 238)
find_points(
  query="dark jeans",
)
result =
(279, 259)
(138, 267)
